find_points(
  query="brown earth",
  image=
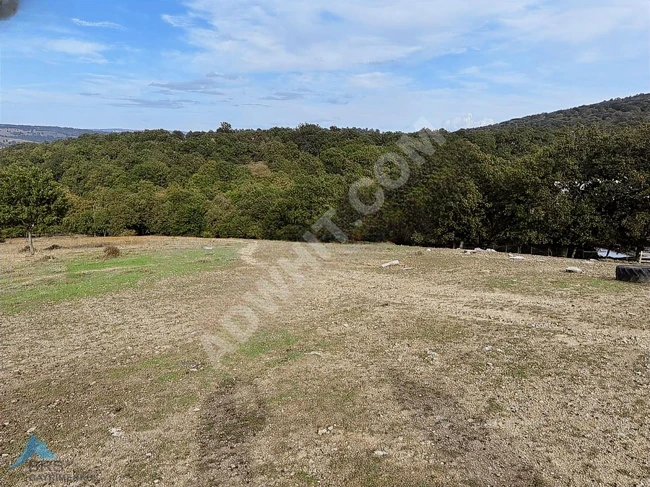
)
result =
(447, 370)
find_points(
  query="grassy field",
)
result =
(52, 280)
(447, 370)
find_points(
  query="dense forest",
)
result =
(563, 188)
(619, 111)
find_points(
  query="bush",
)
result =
(111, 251)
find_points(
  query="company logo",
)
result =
(46, 468)
(34, 446)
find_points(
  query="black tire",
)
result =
(632, 273)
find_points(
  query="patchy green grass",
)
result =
(501, 284)
(494, 406)
(266, 342)
(518, 371)
(44, 282)
(303, 478)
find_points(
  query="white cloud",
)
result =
(75, 46)
(277, 35)
(176, 20)
(55, 50)
(580, 21)
(379, 64)
(491, 75)
(376, 80)
(85, 50)
(466, 121)
(111, 86)
(103, 24)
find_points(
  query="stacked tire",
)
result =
(633, 273)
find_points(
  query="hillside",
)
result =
(521, 186)
(619, 111)
(16, 134)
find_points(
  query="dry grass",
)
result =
(465, 370)
(111, 252)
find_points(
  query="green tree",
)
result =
(181, 212)
(225, 127)
(30, 199)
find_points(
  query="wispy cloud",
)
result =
(75, 46)
(54, 50)
(228, 77)
(283, 96)
(377, 80)
(86, 51)
(578, 22)
(152, 103)
(493, 74)
(205, 86)
(103, 24)
(336, 101)
(273, 37)
(176, 20)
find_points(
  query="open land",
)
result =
(446, 370)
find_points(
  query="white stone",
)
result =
(117, 432)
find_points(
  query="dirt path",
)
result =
(247, 253)
(463, 370)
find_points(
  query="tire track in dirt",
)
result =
(235, 414)
(136, 329)
(232, 417)
(246, 253)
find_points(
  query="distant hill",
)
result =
(16, 134)
(619, 111)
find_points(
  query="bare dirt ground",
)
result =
(448, 370)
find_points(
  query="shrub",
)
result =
(111, 251)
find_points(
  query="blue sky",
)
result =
(392, 65)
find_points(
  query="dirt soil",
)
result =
(446, 370)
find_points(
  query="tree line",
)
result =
(562, 189)
(618, 111)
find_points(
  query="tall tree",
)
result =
(30, 199)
